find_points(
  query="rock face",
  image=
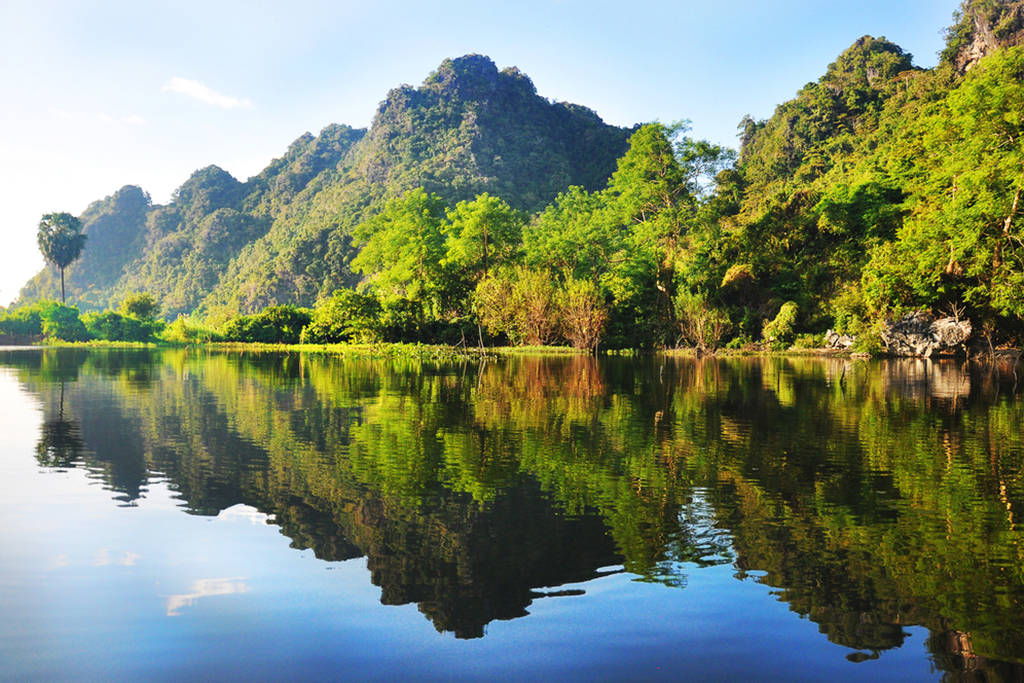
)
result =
(981, 28)
(834, 340)
(919, 334)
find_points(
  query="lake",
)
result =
(194, 514)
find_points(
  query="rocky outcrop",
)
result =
(919, 334)
(981, 27)
(842, 342)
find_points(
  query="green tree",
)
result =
(780, 331)
(574, 235)
(63, 322)
(140, 305)
(962, 241)
(403, 247)
(61, 241)
(700, 323)
(346, 315)
(521, 303)
(483, 233)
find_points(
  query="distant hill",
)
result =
(283, 236)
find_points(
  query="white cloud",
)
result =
(204, 588)
(103, 558)
(245, 512)
(203, 93)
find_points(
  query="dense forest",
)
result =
(474, 206)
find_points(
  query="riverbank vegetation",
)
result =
(880, 189)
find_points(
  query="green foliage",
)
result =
(24, 323)
(573, 235)
(519, 303)
(403, 248)
(61, 241)
(186, 331)
(961, 242)
(140, 305)
(781, 330)
(63, 323)
(582, 313)
(60, 238)
(113, 326)
(272, 325)
(224, 247)
(482, 234)
(740, 342)
(850, 312)
(809, 341)
(346, 316)
(700, 323)
(879, 188)
(1002, 20)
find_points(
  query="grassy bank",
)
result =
(438, 351)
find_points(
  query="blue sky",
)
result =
(97, 95)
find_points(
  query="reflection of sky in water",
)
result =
(87, 587)
(204, 588)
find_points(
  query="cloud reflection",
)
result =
(204, 588)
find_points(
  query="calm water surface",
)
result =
(183, 514)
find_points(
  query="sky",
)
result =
(95, 95)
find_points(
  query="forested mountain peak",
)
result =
(868, 63)
(844, 101)
(207, 190)
(476, 77)
(470, 128)
(979, 28)
(284, 235)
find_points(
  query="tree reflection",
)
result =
(60, 442)
(872, 496)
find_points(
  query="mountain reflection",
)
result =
(872, 496)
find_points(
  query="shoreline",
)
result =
(441, 351)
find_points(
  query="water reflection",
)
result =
(60, 442)
(205, 588)
(872, 496)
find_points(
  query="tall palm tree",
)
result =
(61, 241)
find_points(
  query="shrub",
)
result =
(849, 311)
(345, 316)
(701, 324)
(272, 325)
(809, 341)
(520, 303)
(781, 331)
(185, 331)
(492, 303)
(740, 342)
(140, 306)
(399, 320)
(113, 326)
(63, 322)
(582, 313)
(25, 322)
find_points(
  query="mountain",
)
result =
(883, 188)
(880, 189)
(222, 246)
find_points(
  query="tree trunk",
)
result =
(62, 286)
